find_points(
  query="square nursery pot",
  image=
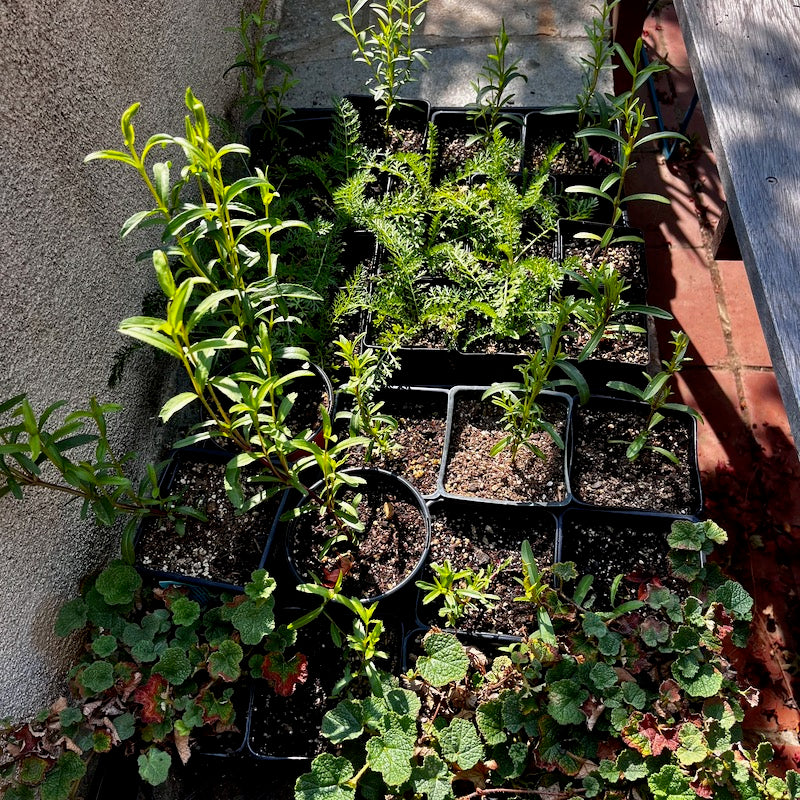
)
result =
(286, 727)
(385, 558)
(605, 544)
(220, 554)
(474, 426)
(454, 127)
(628, 258)
(601, 475)
(421, 413)
(543, 131)
(408, 124)
(477, 535)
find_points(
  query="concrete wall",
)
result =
(68, 69)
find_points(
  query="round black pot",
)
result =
(378, 480)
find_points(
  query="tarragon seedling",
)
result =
(656, 394)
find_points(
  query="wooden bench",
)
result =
(745, 62)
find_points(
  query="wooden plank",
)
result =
(746, 65)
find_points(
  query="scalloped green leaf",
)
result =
(327, 779)
(705, 682)
(669, 783)
(71, 617)
(511, 760)
(344, 722)
(693, 748)
(603, 676)
(184, 611)
(432, 779)
(225, 663)
(61, 779)
(173, 666)
(489, 718)
(254, 619)
(118, 583)
(460, 743)
(446, 660)
(391, 752)
(735, 598)
(154, 766)
(103, 646)
(261, 585)
(565, 700)
(97, 677)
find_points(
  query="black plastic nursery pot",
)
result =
(408, 124)
(543, 131)
(306, 132)
(385, 558)
(627, 257)
(454, 127)
(475, 425)
(219, 554)
(284, 723)
(470, 534)
(601, 475)
(605, 544)
(421, 413)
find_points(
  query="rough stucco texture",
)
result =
(68, 70)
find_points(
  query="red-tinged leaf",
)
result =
(659, 738)
(150, 696)
(702, 788)
(598, 158)
(330, 575)
(285, 676)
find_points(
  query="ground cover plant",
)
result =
(632, 698)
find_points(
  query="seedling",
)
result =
(369, 372)
(492, 98)
(461, 590)
(386, 47)
(597, 314)
(656, 394)
(522, 413)
(629, 111)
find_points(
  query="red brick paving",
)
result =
(751, 472)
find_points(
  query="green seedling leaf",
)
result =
(225, 664)
(669, 783)
(184, 611)
(328, 778)
(489, 718)
(391, 752)
(343, 722)
(254, 620)
(173, 665)
(104, 646)
(445, 662)
(154, 766)
(565, 700)
(118, 583)
(432, 779)
(460, 743)
(63, 777)
(72, 617)
(97, 677)
(735, 599)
